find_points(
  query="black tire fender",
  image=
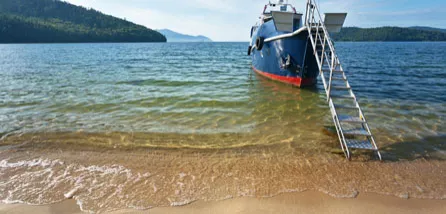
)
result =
(249, 50)
(259, 43)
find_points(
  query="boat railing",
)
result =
(313, 23)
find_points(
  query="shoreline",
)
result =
(299, 202)
(46, 169)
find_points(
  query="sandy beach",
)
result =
(49, 169)
(306, 202)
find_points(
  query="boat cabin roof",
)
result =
(284, 15)
(267, 14)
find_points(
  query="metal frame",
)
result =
(318, 35)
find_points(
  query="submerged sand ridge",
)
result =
(49, 168)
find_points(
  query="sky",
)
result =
(231, 20)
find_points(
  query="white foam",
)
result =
(353, 194)
(227, 197)
(71, 193)
(30, 163)
(181, 203)
(139, 207)
(9, 201)
(105, 170)
(48, 175)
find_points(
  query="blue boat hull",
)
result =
(289, 60)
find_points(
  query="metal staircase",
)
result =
(351, 125)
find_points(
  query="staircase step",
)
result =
(345, 107)
(357, 132)
(338, 78)
(350, 119)
(334, 71)
(341, 96)
(339, 87)
(326, 65)
(359, 144)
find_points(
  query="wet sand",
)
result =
(306, 202)
(102, 177)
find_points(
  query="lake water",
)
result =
(205, 99)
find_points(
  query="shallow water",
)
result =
(81, 119)
(208, 88)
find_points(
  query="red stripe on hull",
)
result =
(296, 81)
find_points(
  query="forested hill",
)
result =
(54, 21)
(389, 34)
(428, 28)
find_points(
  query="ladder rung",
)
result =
(359, 144)
(345, 107)
(338, 78)
(350, 119)
(340, 87)
(336, 64)
(326, 65)
(341, 96)
(357, 132)
(334, 71)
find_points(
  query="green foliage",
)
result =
(428, 28)
(53, 21)
(388, 34)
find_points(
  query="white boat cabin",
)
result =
(285, 17)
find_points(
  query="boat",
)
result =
(296, 49)
(280, 46)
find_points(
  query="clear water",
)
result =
(208, 88)
(204, 97)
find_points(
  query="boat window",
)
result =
(267, 19)
(296, 23)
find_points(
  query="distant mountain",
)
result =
(428, 28)
(173, 36)
(388, 34)
(54, 21)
